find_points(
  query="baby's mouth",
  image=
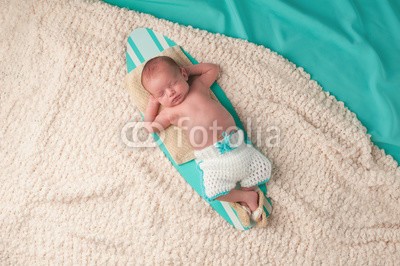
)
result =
(176, 99)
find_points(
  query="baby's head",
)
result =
(163, 78)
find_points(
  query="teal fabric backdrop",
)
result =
(351, 48)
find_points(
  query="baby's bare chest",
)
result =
(200, 110)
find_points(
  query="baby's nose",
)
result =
(170, 92)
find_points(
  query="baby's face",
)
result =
(168, 85)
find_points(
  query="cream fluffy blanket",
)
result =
(71, 192)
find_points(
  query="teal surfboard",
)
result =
(144, 44)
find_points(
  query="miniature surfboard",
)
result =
(144, 44)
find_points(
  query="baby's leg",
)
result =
(238, 195)
(246, 189)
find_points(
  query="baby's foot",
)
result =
(252, 200)
(243, 203)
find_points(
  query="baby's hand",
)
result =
(207, 72)
(152, 99)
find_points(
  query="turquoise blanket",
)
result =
(351, 48)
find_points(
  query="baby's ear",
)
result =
(184, 73)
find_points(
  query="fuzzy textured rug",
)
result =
(72, 192)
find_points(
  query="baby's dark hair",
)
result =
(151, 66)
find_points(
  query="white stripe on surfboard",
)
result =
(235, 220)
(162, 41)
(147, 47)
(267, 205)
(132, 55)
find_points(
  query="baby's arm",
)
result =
(151, 110)
(156, 123)
(160, 123)
(207, 72)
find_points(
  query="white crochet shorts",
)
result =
(229, 161)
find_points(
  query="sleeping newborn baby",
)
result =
(219, 146)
